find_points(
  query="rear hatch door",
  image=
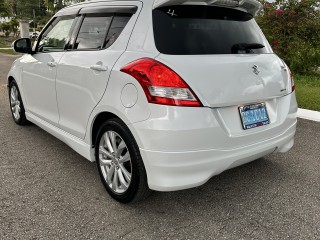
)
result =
(230, 80)
(220, 52)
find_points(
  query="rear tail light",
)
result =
(161, 84)
(292, 81)
(286, 68)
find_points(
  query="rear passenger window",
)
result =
(93, 32)
(118, 24)
(99, 31)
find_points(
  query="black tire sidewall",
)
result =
(117, 126)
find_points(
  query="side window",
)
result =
(92, 32)
(118, 24)
(54, 39)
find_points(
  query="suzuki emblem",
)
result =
(256, 69)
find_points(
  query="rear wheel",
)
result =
(16, 104)
(119, 162)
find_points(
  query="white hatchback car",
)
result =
(162, 94)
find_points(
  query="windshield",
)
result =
(190, 30)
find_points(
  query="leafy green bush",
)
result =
(6, 28)
(10, 27)
(293, 30)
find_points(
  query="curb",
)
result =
(309, 114)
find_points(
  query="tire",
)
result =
(16, 105)
(122, 171)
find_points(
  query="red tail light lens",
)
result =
(161, 84)
(292, 81)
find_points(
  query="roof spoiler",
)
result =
(253, 7)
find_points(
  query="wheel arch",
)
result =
(21, 119)
(104, 116)
(100, 118)
(10, 79)
(14, 77)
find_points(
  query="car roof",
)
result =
(77, 6)
(250, 6)
(103, 1)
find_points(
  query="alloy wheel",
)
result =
(115, 162)
(15, 103)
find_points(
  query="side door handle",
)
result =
(100, 68)
(52, 64)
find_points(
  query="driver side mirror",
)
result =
(22, 45)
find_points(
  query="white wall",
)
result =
(6, 19)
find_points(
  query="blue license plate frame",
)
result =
(254, 115)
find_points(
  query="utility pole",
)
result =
(34, 20)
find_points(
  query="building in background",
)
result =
(4, 19)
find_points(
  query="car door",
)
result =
(84, 70)
(40, 69)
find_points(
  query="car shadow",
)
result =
(240, 184)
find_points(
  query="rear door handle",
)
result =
(52, 64)
(100, 68)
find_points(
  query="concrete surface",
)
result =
(47, 191)
(309, 114)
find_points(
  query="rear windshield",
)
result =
(190, 30)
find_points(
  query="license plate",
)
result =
(254, 115)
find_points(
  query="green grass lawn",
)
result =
(6, 43)
(308, 91)
(8, 51)
(3, 46)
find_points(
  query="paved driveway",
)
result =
(47, 191)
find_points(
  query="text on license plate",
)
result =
(254, 115)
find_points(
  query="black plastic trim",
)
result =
(68, 12)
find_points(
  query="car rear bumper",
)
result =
(171, 171)
(184, 147)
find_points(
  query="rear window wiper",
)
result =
(245, 47)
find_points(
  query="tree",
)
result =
(24, 9)
(10, 27)
(55, 5)
(42, 8)
(50, 5)
(14, 24)
(6, 28)
(293, 29)
(4, 9)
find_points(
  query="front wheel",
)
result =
(119, 162)
(16, 104)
